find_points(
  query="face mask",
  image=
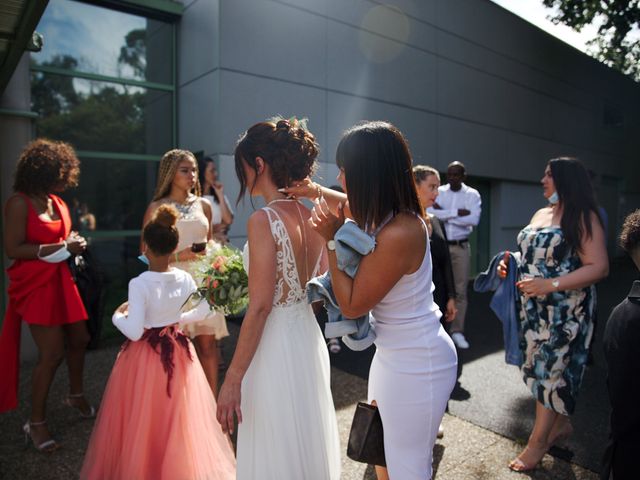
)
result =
(58, 256)
(143, 258)
(554, 198)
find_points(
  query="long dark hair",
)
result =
(286, 146)
(377, 168)
(577, 198)
(206, 189)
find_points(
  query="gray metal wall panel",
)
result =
(198, 40)
(271, 39)
(247, 99)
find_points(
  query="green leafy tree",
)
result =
(617, 43)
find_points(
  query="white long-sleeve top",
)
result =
(457, 227)
(155, 300)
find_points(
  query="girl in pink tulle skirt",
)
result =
(157, 418)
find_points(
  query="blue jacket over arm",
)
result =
(351, 245)
(504, 304)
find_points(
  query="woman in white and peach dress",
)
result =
(178, 186)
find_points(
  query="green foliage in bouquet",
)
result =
(223, 281)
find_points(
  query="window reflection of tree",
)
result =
(134, 52)
(102, 117)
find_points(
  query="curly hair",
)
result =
(161, 234)
(46, 166)
(630, 234)
(167, 171)
(286, 146)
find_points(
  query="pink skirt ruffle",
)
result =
(148, 427)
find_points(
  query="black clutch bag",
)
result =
(366, 442)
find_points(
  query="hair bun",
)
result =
(283, 125)
(165, 215)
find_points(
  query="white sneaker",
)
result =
(440, 431)
(459, 340)
(334, 345)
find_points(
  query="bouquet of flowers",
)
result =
(222, 280)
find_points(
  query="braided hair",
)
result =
(167, 171)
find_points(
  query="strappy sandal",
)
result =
(518, 465)
(69, 403)
(47, 446)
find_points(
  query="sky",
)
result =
(101, 31)
(536, 13)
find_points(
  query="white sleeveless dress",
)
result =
(412, 373)
(193, 227)
(289, 429)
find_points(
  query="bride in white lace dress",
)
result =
(278, 380)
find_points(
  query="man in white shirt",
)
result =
(459, 207)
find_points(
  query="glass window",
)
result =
(115, 192)
(97, 40)
(102, 116)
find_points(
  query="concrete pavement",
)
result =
(466, 452)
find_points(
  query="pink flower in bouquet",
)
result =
(219, 264)
(224, 283)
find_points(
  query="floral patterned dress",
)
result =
(555, 329)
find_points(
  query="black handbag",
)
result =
(89, 279)
(366, 442)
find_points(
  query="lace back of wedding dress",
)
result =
(295, 266)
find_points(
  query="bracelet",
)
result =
(177, 259)
(66, 247)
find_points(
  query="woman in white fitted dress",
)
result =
(414, 367)
(278, 380)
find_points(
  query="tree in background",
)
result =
(134, 52)
(618, 42)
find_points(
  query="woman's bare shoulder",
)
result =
(16, 204)
(404, 229)
(542, 217)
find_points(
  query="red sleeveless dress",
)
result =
(40, 293)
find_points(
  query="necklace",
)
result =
(282, 200)
(185, 209)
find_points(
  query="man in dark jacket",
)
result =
(621, 346)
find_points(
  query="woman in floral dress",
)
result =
(562, 256)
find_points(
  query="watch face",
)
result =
(331, 245)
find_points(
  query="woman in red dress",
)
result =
(41, 291)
